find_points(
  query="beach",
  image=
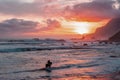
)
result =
(94, 62)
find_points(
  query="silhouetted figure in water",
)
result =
(48, 64)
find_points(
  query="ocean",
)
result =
(71, 61)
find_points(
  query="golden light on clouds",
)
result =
(83, 27)
(38, 18)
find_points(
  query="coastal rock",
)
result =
(115, 37)
(111, 28)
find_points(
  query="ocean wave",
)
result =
(40, 48)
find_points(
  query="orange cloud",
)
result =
(92, 11)
(46, 17)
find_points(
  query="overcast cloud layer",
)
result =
(53, 8)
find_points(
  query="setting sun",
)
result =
(60, 39)
(81, 27)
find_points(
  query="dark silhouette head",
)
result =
(49, 63)
(48, 60)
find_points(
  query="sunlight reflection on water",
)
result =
(69, 64)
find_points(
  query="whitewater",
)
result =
(26, 60)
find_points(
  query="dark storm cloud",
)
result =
(17, 25)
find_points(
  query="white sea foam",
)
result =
(26, 60)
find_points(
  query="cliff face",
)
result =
(115, 37)
(109, 29)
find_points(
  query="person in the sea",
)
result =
(48, 64)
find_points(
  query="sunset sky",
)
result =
(54, 18)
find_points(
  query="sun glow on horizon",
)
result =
(81, 27)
